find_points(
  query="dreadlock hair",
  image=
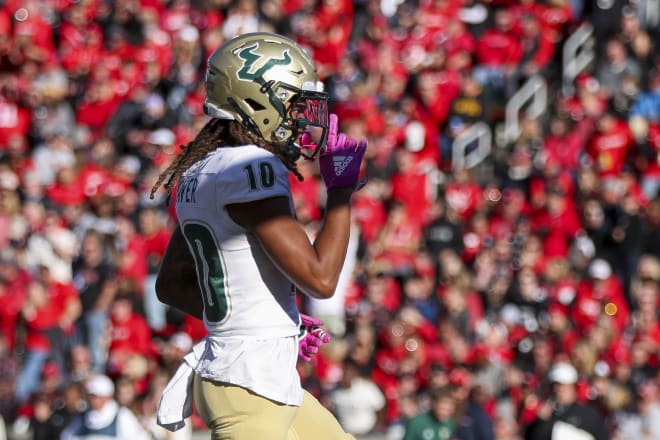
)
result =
(219, 133)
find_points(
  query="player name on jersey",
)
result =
(186, 191)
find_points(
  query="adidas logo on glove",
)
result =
(340, 163)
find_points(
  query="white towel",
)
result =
(176, 402)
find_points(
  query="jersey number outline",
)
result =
(210, 271)
(266, 176)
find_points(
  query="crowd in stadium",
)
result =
(463, 284)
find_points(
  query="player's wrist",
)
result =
(339, 196)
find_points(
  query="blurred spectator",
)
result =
(39, 421)
(104, 416)
(363, 348)
(463, 194)
(412, 183)
(126, 393)
(357, 401)
(419, 291)
(616, 66)
(148, 404)
(79, 363)
(557, 222)
(438, 423)
(54, 154)
(8, 371)
(472, 421)
(93, 276)
(131, 256)
(444, 229)
(241, 18)
(537, 47)
(646, 425)
(599, 295)
(498, 53)
(129, 344)
(155, 231)
(19, 121)
(644, 123)
(174, 350)
(562, 415)
(605, 18)
(13, 292)
(610, 146)
(69, 404)
(46, 316)
(564, 142)
(398, 241)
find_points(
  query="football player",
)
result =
(238, 253)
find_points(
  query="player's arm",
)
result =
(176, 284)
(313, 267)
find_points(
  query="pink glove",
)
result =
(311, 337)
(340, 161)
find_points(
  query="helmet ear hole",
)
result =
(254, 104)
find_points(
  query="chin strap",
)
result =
(292, 152)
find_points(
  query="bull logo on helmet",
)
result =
(250, 58)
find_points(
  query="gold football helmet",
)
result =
(270, 85)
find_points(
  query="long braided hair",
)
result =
(218, 133)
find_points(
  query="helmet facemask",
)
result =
(307, 121)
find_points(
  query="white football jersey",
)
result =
(249, 304)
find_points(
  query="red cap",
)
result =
(559, 308)
(50, 370)
(587, 82)
(460, 377)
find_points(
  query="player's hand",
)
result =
(341, 159)
(312, 336)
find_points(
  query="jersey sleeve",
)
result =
(255, 175)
